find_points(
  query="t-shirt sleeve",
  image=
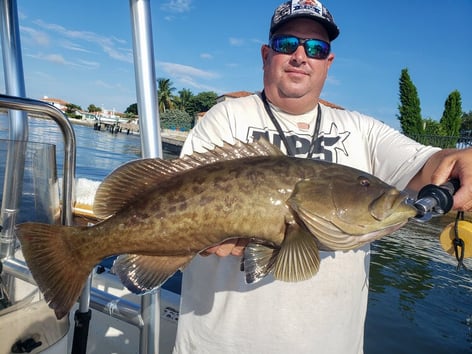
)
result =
(214, 129)
(396, 158)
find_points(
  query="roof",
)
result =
(236, 94)
(54, 100)
(329, 104)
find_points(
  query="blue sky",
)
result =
(81, 51)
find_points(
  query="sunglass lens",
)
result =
(317, 49)
(286, 45)
(314, 48)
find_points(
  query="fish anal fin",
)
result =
(142, 274)
(258, 261)
(298, 258)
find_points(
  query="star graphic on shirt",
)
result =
(334, 140)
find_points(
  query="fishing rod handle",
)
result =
(443, 195)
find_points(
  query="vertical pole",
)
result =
(146, 92)
(18, 130)
(145, 73)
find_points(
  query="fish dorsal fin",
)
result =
(138, 177)
(128, 182)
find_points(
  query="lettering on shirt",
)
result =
(327, 146)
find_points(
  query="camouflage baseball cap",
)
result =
(311, 9)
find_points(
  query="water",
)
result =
(98, 152)
(418, 302)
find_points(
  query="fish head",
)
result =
(346, 208)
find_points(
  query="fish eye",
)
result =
(364, 181)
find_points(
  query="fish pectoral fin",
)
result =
(142, 274)
(298, 258)
(258, 261)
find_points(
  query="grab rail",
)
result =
(43, 108)
(99, 300)
(150, 138)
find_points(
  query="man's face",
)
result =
(296, 75)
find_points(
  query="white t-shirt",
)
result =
(220, 313)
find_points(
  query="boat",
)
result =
(107, 317)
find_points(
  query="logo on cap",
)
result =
(307, 6)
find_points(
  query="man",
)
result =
(325, 314)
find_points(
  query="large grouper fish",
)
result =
(159, 214)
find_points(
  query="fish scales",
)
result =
(234, 200)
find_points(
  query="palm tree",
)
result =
(185, 97)
(164, 94)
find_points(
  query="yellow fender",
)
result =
(447, 236)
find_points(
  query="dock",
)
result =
(173, 140)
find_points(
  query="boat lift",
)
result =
(145, 316)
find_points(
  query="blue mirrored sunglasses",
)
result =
(314, 48)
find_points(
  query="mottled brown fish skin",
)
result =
(192, 211)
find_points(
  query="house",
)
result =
(56, 102)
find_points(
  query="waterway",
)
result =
(418, 302)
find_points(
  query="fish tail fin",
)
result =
(47, 251)
(296, 259)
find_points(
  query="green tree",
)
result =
(71, 109)
(132, 109)
(409, 108)
(92, 108)
(176, 119)
(466, 125)
(203, 101)
(184, 99)
(164, 94)
(432, 127)
(452, 115)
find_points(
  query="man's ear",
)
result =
(265, 51)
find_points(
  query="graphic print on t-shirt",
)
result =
(325, 147)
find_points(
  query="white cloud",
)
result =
(74, 47)
(107, 44)
(89, 64)
(236, 41)
(177, 6)
(180, 70)
(206, 56)
(54, 58)
(35, 36)
(188, 76)
(332, 80)
(59, 59)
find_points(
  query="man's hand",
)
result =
(233, 247)
(444, 165)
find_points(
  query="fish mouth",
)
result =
(388, 204)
